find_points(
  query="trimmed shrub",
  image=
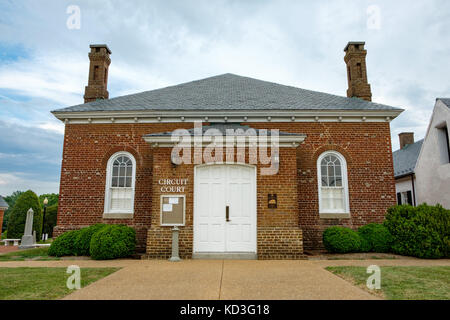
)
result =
(113, 241)
(64, 245)
(83, 239)
(341, 240)
(18, 215)
(375, 238)
(422, 231)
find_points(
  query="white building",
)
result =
(422, 168)
(433, 164)
(404, 164)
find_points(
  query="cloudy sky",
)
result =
(44, 63)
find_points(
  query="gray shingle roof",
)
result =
(228, 92)
(222, 128)
(405, 159)
(446, 101)
(3, 203)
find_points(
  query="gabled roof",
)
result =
(405, 159)
(225, 93)
(3, 204)
(445, 101)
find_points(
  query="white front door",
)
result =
(216, 188)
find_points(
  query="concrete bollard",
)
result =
(175, 255)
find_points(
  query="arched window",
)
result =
(333, 185)
(120, 181)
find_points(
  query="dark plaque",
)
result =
(272, 201)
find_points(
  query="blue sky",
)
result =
(44, 64)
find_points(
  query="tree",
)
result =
(18, 215)
(10, 200)
(52, 199)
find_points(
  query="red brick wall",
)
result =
(285, 217)
(366, 146)
(87, 149)
(1, 221)
(367, 149)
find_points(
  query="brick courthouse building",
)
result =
(334, 163)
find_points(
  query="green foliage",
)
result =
(18, 215)
(375, 238)
(36, 254)
(64, 245)
(52, 202)
(4, 235)
(113, 241)
(341, 240)
(83, 239)
(422, 231)
(25, 283)
(51, 197)
(50, 219)
(10, 200)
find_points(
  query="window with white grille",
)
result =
(333, 187)
(121, 172)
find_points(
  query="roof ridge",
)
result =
(418, 141)
(229, 91)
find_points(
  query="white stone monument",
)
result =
(28, 240)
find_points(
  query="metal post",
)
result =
(175, 256)
(43, 223)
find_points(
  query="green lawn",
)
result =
(39, 254)
(403, 283)
(43, 283)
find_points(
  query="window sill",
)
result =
(118, 215)
(334, 215)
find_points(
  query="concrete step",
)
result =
(225, 256)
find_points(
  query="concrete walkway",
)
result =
(217, 279)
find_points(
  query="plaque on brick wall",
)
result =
(173, 209)
(272, 201)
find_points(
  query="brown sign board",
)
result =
(173, 209)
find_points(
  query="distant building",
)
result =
(3, 208)
(404, 164)
(433, 164)
(422, 168)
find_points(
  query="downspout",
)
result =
(413, 189)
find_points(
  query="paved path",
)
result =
(217, 279)
(6, 249)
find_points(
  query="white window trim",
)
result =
(107, 209)
(341, 158)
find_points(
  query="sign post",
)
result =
(173, 214)
(175, 254)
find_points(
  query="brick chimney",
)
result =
(355, 59)
(98, 73)
(406, 138)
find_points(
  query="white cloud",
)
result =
(10, 182)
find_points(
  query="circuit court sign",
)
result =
(173, 185)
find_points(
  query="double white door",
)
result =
(225, 208)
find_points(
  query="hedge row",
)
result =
(422, 232)
(100, 241)
(370, 238)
